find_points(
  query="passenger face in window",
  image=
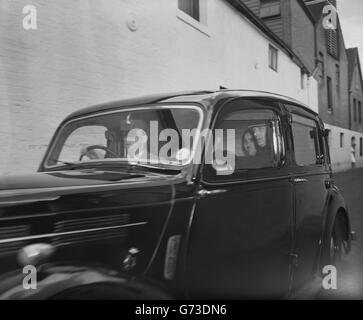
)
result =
(249, 144)
(260, 134)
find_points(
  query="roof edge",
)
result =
(355, 52)
(242, 8)
(307, 11)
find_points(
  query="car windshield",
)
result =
(153, 136)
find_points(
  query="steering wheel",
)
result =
(85, 151)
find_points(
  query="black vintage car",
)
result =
(97, 223)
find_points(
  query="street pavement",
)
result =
(350, 274)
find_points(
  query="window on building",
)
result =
(272, 57)
(337, 73)
(306, 141)
(357, 79)
(361, 147)
(353, 146)
(329, 137)
(302, 79)
(190, 7)
(354, 110)
(332, 43)
(330, 93)
(321, 65)
(360, 112)
(342, 140)
(270, 8)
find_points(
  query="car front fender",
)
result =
(78, 282)
(336, 208)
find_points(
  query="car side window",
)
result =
(258, 141)
(306, 141)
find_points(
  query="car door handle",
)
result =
(204, 192)
(298, 180)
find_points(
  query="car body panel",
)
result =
(62, 281)
(82, 219)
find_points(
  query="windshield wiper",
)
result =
(64, 162)
(116, 163)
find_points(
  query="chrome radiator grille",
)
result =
(8, 233)
(90, 229)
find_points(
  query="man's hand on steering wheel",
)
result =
(87, 151)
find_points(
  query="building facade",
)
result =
(292, 21)
(301, 25)
(355, 87)
(332, 67)
(355, 102)
(334, 73)
(86, 52)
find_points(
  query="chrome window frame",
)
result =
(151, 107)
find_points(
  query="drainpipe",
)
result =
(350, 108)
(316, 56)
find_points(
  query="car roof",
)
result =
(205, 97)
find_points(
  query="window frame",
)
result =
(273, 63)
(321, 157)
(201, 24)
(337, 72)
(327, 141)
(329, 87)
(194, 7)
(341, 140)
(333, 43)
(58, 138)
(354, 109)
(321, 63)
(257, 173)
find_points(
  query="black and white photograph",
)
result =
(181, 150)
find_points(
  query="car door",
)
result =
(241, 233)
(311, 180)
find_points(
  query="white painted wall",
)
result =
(83, 53)
(341, 157)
